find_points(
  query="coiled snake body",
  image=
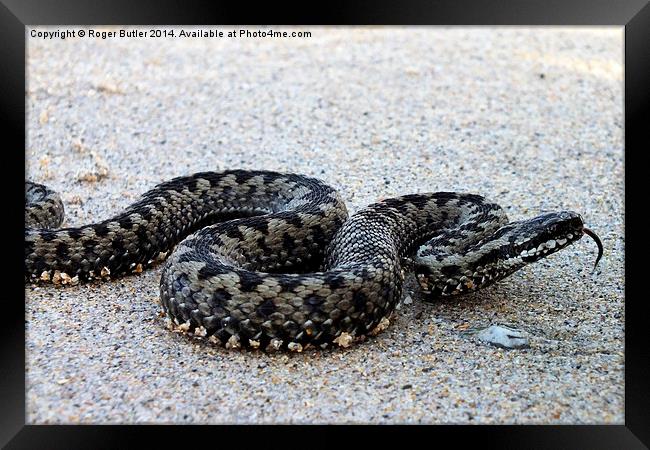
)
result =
(271, 260)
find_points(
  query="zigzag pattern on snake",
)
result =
(271, 260)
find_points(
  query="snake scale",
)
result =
(271, 260)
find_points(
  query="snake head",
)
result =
(536, 238)
(548, 233)
(501, 253)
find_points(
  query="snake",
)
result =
(269, 260)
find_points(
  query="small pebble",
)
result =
(503, 337)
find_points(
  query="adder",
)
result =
(271, 260)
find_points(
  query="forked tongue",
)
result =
(595, 237)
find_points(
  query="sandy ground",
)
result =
(531, 118)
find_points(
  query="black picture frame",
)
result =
(15, 15)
